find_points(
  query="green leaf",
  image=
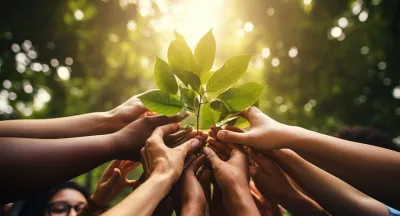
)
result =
(188, 96)
(221, 107)
(208, 116)
(180, 55)
(161, 102)
(241, 123)
(188, 78)
(228, 74)
(240, 97)
(178, 36)
(204, 54)
(206, 77)
(165, 78)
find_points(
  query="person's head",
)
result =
(367, 135)
(64, 200)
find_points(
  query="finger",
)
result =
(234, 129)
(165, 130)
(263, 162)
(259, 177)
(212, 158)
(222, 156)
(132, 166)
(233, 137)
(222, 148)
(195, 165)
(173, 137)
(250, 112)
(190, 158)
(188, 146)
(238, 157)
(110, 169)
(188, 136)
(205, 179)
(114, 177)
(139, 181)
(156, 121)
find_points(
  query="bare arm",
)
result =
(27, 165)
(75, 126)
(336, 196)
(373, 170)
(144, 199)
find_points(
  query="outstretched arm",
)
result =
(336, 196)
(370, 169)
(75, 126)
(27, 165)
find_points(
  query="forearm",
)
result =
(371, 169)
(300, 204)
(73, 126)
(333, 194)
(144, 199)
(240, 202)
(193, 209)
(27, 165)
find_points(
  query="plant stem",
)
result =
(198, 112)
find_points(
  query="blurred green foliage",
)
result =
(326, 63)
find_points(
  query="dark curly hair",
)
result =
(37, 204)
(367, 135)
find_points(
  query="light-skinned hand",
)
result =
(264, 134)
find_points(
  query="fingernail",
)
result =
(195, 143)
(206, 151)
(221, 135)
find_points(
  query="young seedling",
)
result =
(187, 84)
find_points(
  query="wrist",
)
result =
(293, 136)
(240, 200)
(193, 208)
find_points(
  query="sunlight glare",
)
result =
(192, 18)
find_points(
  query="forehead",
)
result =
(73, 197)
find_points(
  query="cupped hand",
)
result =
(270, 179)
(159, 158)
(128, 141)
(113, 181)
(192, 192)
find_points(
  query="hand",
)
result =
(232, 178)
(192, 192)
(128, 141)
(264, 134)
(274, 184)
(160, 159)
(126, 113)
(265, 206)
(113, 181)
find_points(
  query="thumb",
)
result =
(188, 146)
(233, 137)
(214, 160)
(114, 177)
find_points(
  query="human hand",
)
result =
(273, 183)
(128, 141)
(160, 159)
(127, 112)
(192, 192)
(113, 181)
(264, 134)
(232, 178)
(265, 206)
